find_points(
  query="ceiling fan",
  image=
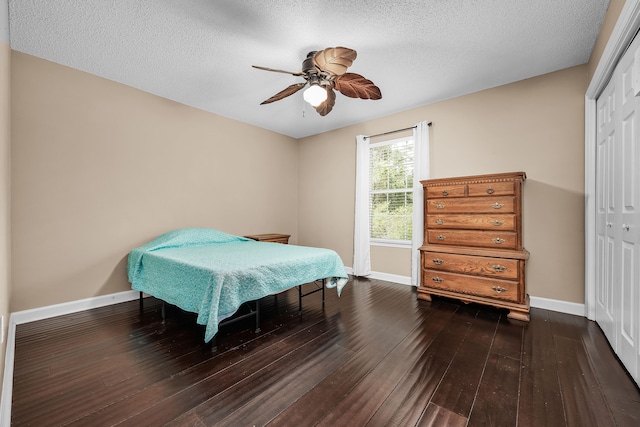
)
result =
(324, 71)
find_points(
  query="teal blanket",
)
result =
(212, 273)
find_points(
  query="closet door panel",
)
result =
(605, 205)
(627, 241)
(628, 316)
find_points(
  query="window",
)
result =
(388, 176)
(391, 168)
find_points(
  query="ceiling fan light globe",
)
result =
(315, 95)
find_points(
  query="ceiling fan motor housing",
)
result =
(307, 65)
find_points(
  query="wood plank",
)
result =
(73, 343)
(382, 338)
(581, 385)
(621, 394)
(584, 403)
(198, 383)
(458, 388)
(496, 402)
(408, 400)
(540, 401)
(277, 388)
(437, 416)
(370, 393)
(509, 338)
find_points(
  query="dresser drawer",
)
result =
(492, 189)
(504, 204)
(452, 190)
(467, 264)
(474, 222)
(471, 285)
(483, 239)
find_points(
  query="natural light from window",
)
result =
(391, 191)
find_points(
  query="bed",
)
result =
(213, 273)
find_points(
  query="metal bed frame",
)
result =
(253, 312)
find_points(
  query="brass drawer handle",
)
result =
(439, 280)
(437, 261)
(441, 237)
(445, 193)
(497, 205)
(439, 206)
(439, 221)
(498, 268)
(497, 240)
(499, 289)
(497, 223)
(490, 190)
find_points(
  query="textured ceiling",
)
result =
(200, 52)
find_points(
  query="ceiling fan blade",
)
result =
(299, 73)
(284, 93)
(326, 107)
(356, 86)
(335, 60)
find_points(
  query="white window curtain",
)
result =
(420, 172)
(362, 234)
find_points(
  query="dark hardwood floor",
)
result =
(375, 356)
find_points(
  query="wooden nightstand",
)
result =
(272, 237)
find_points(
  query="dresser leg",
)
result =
(518, 315)
(424, 296)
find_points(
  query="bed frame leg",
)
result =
(163, 310)
(323, 286)
(214, 343)
(299, 300)
(257, 316)
(141, 303)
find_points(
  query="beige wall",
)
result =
(613, 13)
(536, 126)
(5, 289)
(100, 168)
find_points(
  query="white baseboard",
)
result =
(558, 305)
(41, 313)
(73, 307)
(394, 278)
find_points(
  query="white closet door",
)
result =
(618, 211)
(627, 242)
(605, 206)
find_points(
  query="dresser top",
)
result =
(477, 179)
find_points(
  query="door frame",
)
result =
(623, 33)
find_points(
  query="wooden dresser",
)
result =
(473, 248)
